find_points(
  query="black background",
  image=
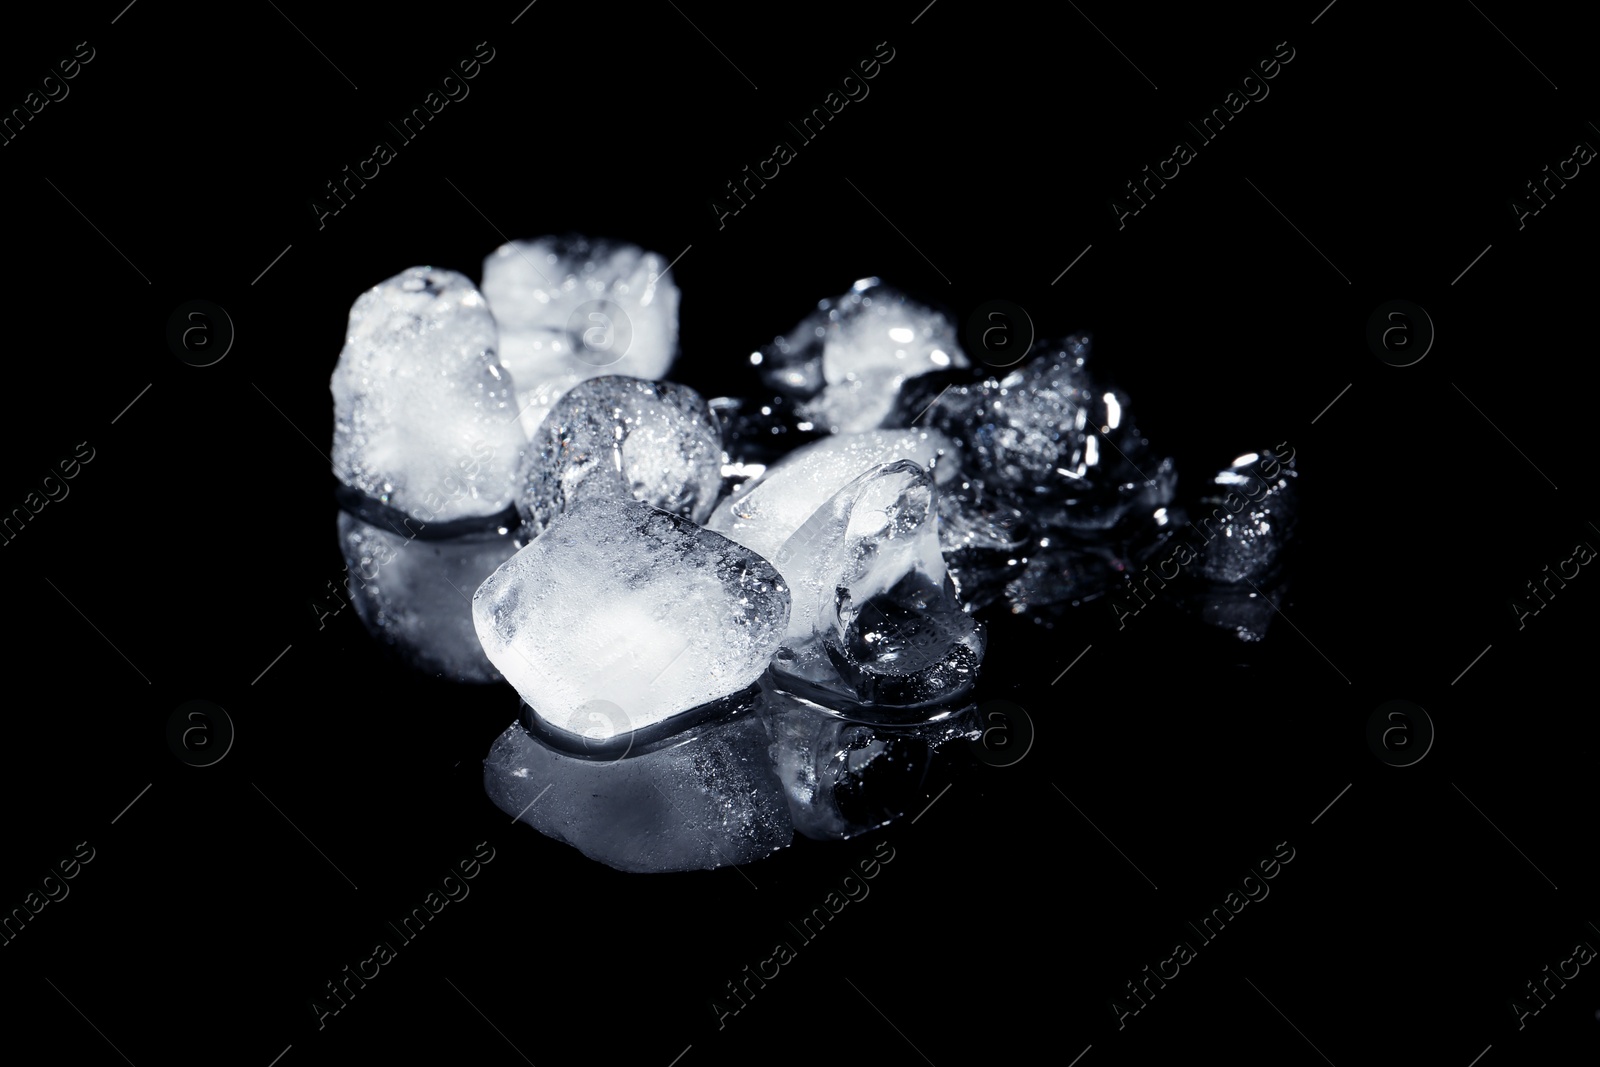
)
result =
(191, 549)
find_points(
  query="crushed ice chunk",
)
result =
(909, 646)
(1043, 427)
(1247, 511)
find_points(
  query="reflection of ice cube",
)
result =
(423, 410)
(844, 778)
(415, 594)
(1241, 523)
(847, 360)
(622, 437)
(626, 603)
(1243, 611)
(575, 306)
(704, 797)
(1070, 571)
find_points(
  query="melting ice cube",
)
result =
(848, 359)
(627, 604)
(767, 513)
(423, 415)
(574, 308)
(875, 618)
(623, 437)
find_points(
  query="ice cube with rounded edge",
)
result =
(584, 307)
(625, 437)
(848, 359)
(867, 536)
(423, 409)
(874, 615)
(769, 511)
(621, 602)
(702, 798)
(413, 593)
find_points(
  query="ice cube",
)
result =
(1049, 433)
(415, 594)
(622, 602)
(767, 513)
(576, 306)
(866, 536)
(1248, 517)
(423, 415)
(874, 616)
(621, 437)
(848, 359)
(699, 798)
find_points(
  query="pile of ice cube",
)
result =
(723, 618)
